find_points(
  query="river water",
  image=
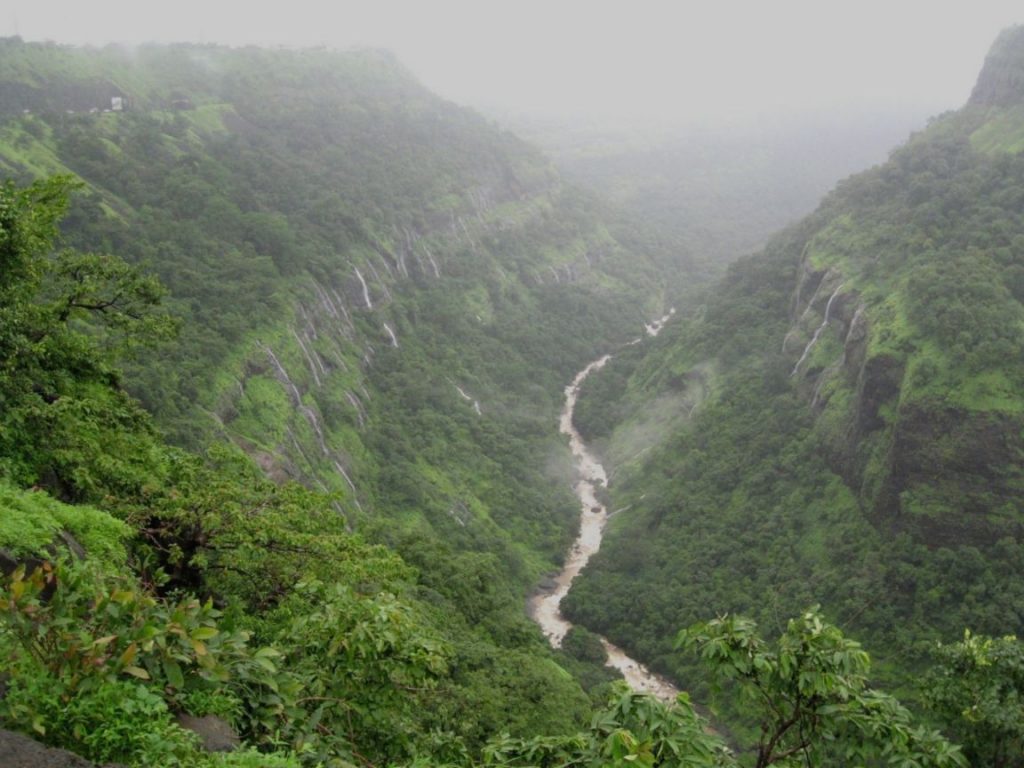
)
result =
(544, 605)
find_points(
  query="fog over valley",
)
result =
(511, 385)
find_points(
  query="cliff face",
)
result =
(946, 473)
(861, 444)
(1001, 82)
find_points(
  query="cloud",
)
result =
(645, 60)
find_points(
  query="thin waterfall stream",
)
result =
(544, 605)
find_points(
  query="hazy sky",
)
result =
(707, 61)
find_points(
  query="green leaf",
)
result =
(138, 672)
(173, 672)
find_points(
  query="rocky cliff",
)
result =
(1001, 82)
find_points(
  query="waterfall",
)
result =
(376, 275)
(853, 324)
(433, 264)
(341, 469)
(391, 333)
(817, 333)
(419, 262)
(305, 410)
(314, 422)
(366, 290)
(360, 411)
(325, 301)
(310, 327)
(803, 314)
(466, 230)
(298, 447)
(385, 262)
(468, 398)
(554, 272)
(654, 327)
(283, 377)
(309, 358)
(341, 306)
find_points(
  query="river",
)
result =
(544, 605)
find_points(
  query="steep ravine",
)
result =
(544, 604)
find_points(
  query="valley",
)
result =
(592, 481)
(336, 413)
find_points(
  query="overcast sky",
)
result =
(659, 61)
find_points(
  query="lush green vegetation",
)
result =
(321, 515)
(844, 423)
(205, 589)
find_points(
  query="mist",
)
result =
(646, 64)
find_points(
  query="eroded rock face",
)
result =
(19, 751)
(1001, 82)
(215, 734)
(945, 475)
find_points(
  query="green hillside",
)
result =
(283, 343)
(842, 421)
(367, 284)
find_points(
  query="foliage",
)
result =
(633, 729)
(976, 688)
(87, 638)
(64, 321)
(810, 689)
(881, 477)
(31, 521)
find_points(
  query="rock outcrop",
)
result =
(19, 751)
(1001, 82)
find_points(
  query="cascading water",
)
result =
(341, 306)
(654, 327)
(309, 358)
(283, 377)
(305, 410)
(354, 402)
(391, 334)
(818, 332)
(366, 290)
(469, 398)
(433, 264)
(381, 283)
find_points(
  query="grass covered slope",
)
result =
(371, 280)
(846, 415)
(367, 283)
(206, 588)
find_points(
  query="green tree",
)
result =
(810, 690)
(977, 689)
(66, 319)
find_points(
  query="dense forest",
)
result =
(840, 422)
(717, 193)
(283, 340)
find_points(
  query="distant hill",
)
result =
(718, 195)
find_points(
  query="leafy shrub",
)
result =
(29, 522)
(99, 631)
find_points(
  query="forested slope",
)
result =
(325, 274)
(372, 280)
(370, 291)
(841, 422)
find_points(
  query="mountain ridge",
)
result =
(845, 411)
